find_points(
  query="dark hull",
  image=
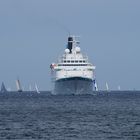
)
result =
(73, 86)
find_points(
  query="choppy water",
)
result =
(99, 117)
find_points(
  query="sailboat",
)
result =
(107, 88)
(19, 89)
(119, 88)
(3, 89)
(36, 88)
(95, 85)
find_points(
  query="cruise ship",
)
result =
(73, 73)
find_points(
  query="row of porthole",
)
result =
(76, 61)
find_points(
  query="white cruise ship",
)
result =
(73, 73)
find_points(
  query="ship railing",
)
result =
(65, 57)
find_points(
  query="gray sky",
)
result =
(33, 33)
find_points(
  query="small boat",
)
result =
(19, 89)
(3, 89)
(119, 88)
(36, 87)
(95, 85)
(107, 87)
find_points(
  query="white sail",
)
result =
(37, 90)
(3, 88)
(19, 89)
(95, 85)
(119, 88)
(107, 88)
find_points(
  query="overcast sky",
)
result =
(33, 33)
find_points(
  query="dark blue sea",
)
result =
(102, 116)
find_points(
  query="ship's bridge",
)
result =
(71, 60)
(73, 56)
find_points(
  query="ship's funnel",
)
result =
(70, 43)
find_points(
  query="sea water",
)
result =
(100, 116)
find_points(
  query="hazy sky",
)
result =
(33, 33)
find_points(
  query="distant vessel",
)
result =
(19, 89)
(107, 87)
(95, 85)
(119, 88)
(37, 90)
(3, 89)
(73, 74)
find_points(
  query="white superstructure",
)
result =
(73, 64)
